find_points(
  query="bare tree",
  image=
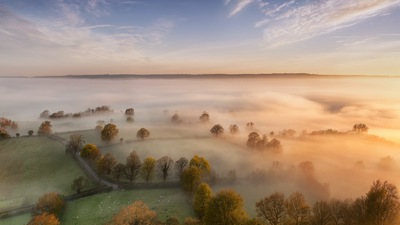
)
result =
(297, 209)
(217, 130)
(75, 144)
(272, 209)
(320, 213)
(180, 165)
(233, 129)
(163, 166)
(205, 117)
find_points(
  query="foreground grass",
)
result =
(99, 209)
(32, 166)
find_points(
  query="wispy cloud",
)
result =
(292, 21)
(241, 4)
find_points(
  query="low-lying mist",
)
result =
(341, 166)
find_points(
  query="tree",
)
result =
(320, 213)
(172, 221)
(272, 209)
(175, 119)
(45, 114)
(143, 133)
(109, 132)
(191, 178)
(200, 163)
(78, 184)
(205, 117)
(130, 119)
(132, 166)
(360, 128)
(30, 132)
(253, 139)
(234, 129)
(201, 199)
(382, 203)
(180, 165)
(75, 144)
(163, 166)
(44, 219)
(17, 135)
(274, 145)
(4, 134)
(225, 208)
(106, 163)
(52, 203)
(147, 169)
(217, 130)
(45, 128)
(135, 214)
(337, 210)
(90, 151)
(297, 209)
(118, 171)
(129, 112)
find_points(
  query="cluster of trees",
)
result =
(254, 141)
(379, 206)
(7, 124)
(45, 128)
(48, 209)
(60, 114)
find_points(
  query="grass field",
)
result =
(31, 166)
(99, 209)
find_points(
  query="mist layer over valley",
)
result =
(320, 166)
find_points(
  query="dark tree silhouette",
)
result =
(106, 163)
(233, 129)
(163, 166)
(360, 128)
(272, 209)
(118, 171)
(253, 139)
(205, 117)
(78, 184)
(217, 130)
(180, 165)
(143, 133)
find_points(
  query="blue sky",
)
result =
(58, 37)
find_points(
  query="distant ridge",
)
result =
(201, 76)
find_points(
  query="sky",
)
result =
(63, 37)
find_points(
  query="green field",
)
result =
(99, 209)
(31, 166)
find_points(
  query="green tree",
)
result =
(106, 163)
(90, 151)
(217, 130)
(201, 199)
(147, 169)
(272, 208)
(44, 219)
(75, 144)
(135, 214)
(109, 132)
(45, 128)
(226, 207)
(52, 203)
(78, 184)
(382, 203)
(163, 166)
(297, 209)
(143, 133)
(118, 171)
(132, 166)
(180, 165)
(191, 178)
